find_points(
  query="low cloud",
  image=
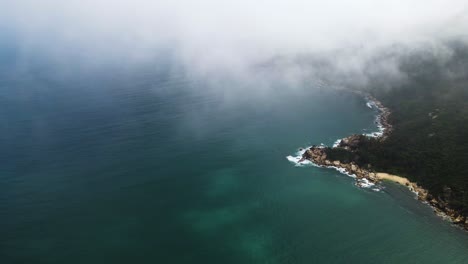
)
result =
(233, 37)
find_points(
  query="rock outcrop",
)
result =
(351, 143)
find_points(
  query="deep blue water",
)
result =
(152, 165)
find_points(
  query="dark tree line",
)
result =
(429, 142)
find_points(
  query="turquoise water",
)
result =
(154, 166)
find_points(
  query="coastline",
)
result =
(367, 177)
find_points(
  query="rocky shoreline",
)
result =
(382, 118)
(367, 176)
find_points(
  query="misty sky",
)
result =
(226, 33)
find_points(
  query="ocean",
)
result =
(131, 164)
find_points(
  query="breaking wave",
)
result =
(296, 158)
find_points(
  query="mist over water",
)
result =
(215, 37)
(158, 131)
(153, 165)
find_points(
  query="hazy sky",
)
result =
(226, 33)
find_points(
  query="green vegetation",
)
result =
(429, 142)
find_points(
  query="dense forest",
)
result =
(429, 115)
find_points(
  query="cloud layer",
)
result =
(227, 34)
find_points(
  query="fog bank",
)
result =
(232, 37)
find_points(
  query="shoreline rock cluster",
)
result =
(318, 155)
(383, 117)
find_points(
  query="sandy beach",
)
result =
(393, 178)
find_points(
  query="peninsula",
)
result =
(423, 142)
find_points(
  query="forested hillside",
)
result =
(429, 141)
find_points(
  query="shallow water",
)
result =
(152, 166)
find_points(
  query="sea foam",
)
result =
(380, 128)
(337, 143)
(298, 156)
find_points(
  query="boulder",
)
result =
(459, 219)
(351, 142)
(308, 154)
(323, 157)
